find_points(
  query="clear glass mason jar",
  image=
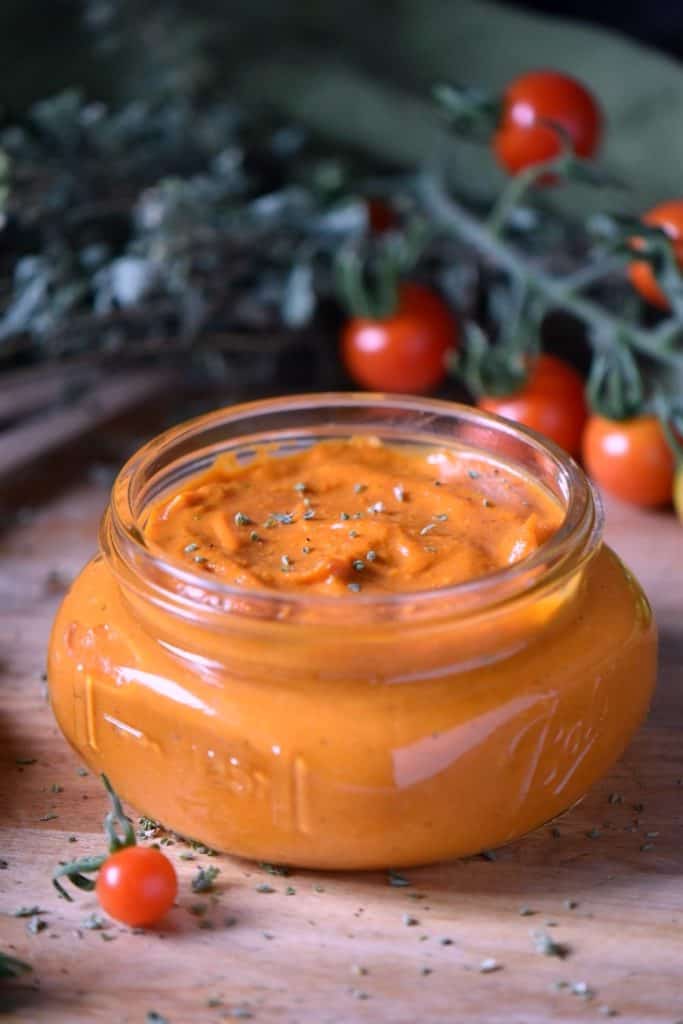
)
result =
(352, 732)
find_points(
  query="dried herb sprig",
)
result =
(120, 833)
(205, 878)
(158, 230)
(548, 946)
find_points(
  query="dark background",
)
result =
(46, 47)
(656, 22)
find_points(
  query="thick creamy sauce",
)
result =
(353, 516)
(362, 741)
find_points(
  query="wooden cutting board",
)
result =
(334, 949)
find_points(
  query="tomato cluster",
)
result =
(543, 109)
(541, 115)
(406, 353)
(630, 459)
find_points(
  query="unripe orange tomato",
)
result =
(669, 217)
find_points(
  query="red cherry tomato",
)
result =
(630, 459)
(523, 138)
(381, 216)
(137, 885)
(551, 402)
(406, 352)
(669, 217)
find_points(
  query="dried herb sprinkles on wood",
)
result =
(396, 879)
(205, 878)
(280, 870)
(548, 946)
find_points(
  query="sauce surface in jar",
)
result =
(353, 515)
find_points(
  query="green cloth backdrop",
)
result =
(386, 108)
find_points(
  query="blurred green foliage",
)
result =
(359, 71)
(178, 167)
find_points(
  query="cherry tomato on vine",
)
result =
(137, 885)
(630, 459)
(669, 217)
(522, 137)
(551, 402)
(405, 352)
(381, 216)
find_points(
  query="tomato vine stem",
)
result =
(517, 188)
(592, 273)
(560, 293)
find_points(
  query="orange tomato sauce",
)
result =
(363, 740)
(352, 516)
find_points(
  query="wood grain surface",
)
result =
(36, 418)
(334, 949)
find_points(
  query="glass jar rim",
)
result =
(565, 551)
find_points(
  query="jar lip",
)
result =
(578, 536)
